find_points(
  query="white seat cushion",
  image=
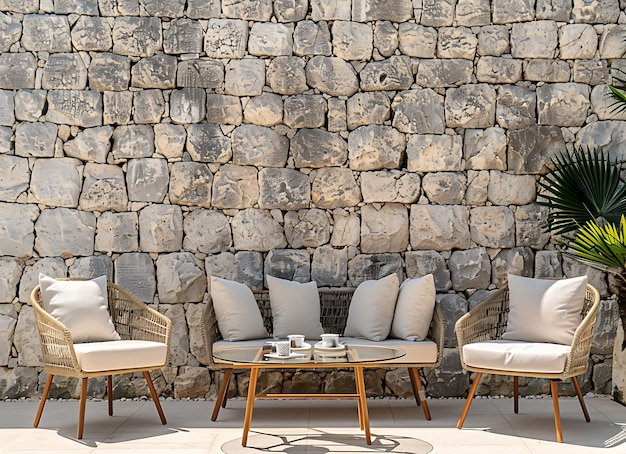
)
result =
(416, 352)
(517, 356)
(122, 354)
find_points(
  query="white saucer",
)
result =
(320, 350)
(291, 356)
(305, 346)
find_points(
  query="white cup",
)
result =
(330, 340)
(283, 348)
(296, 340)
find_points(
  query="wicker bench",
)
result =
(334, 305)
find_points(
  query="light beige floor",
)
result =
(315, 427)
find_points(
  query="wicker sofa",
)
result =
(334, 305)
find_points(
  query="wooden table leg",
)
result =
(221, 396)
(358, 371)
(357, 379)
(254, 375)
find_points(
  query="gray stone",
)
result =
(434, 153)
(506, 11)
(337, 116)
(477, 184)
(226, 38)
(419, 111)
(65, 233)
(596, 277)
(536, 39)
(73, 107)
(373, 10)
(547, 71)
(270, 39)
(238, 187)
(203, 9)
(87, 7)
(133, 141)
(119, 7)
(260, 146)
(188, 105)
(485, 149)
(179, 340)
(29, 104)
(92, 267)
(577, 41)
(493, 40)
(184, 36)
(367, 108)
(375, 147)
(530, 222)
(5, 139)
(17, 71)
(390, 186)
(158, 71)
(11, 269)
(346, 228)
(56, 182)
(456, 42)
(558, 10)
(109, 72)
(137, 36)
(307, 228)
(373, 266)
(117, 232)
(193, 383)
(92, 144)
(264, 110)
(352, 40)
(384, 228)
(50, 266)
(454, 307)
(470, 269)
(206, 143)
(394, 73)
(335, 187)
(498, 70)
(421, 263)
(46, 33)
(134, 272)
(19, 381)
(200, 73)
(437, 73)
(318, 148)
(179, 278)
(592, 72)
(169, 140)
(603, 12)
(329, 266)
(14, 177)
(470, 106)
(117, 107)
(473, 12)
(386, 38)
(519, 261)
(246, 77)
(284, 189)
(148, 106)
(604, 330)
(35, 139)
(311, 38)
(331, 75)
(440, 228)
(161, 228)
(492, 226)
(103, 189)
(245, 267)
(449, 379)
(286, 75)
(190, 184)
(147, 180)
(437, 13)
(92, 34)
(612, 43)
(548, 264)
(290, 10)
(25, 6)
(223, 109)
(305, 111)
(509, 189)
(516, 107)
(16, 229)
(207, 232)
(602, 104)
(444, 188)
(10, 31)
(607, 135)
(26, 339)
(252, 10)
(531, 148)
(563, 104)
(330, 10)
(194, 315)
(256, 230)
(7, 327)
(288, 264)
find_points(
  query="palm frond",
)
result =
(601, 245)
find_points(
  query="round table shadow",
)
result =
(321, 443)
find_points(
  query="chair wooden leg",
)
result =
(414, 386)
(155, 398)
(470, 397)
(44, 396)
(580, 399)
(557, 414)
(420, 391)
(81, 411)
(221, 395)
(516, 394)
(110, 393)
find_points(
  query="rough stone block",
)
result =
(456, 42)
(92, 34)
(337, 116)
(133, 141)
(473, 12)
(117, 232)
(440, 228)
(307, 228)
(158, 71)
(7, 108)
(291, 10)
(50, 266)
(245, 267)
(223, 109)
(117, 107)
(17, 229)
(207, 232)
(257, 230)
(329, 266)
(390, 186)
(184, 36)
(206, 143)
(285, 75)
(311, 38)
(147, 180)
(506, 11)
(547, 71)
(104, 188)
(109, 72)
(563, 104)
(7, 327)
(288, 264)
(548, 264)
(305, 111)
(536, 39)
(35, 139)
(10, 31)
(134, 272)
(270, 39)
(352, 40)
(56, 182)
(346, 228)
(558, 10)
(46, 33)
(530, 231)
(200, 73)
(335, 187)
(252, 10)
(169, 140)
(602, 12)
(5, 139)
(477, 184)
(516, 107)
(92, 267)
(508, 189)
(395, 73)
(27, 344)
(612, 43)
(11, 269)
(375, 147)
(264, 110)
(119, 7)
(368, 108)
(437, 13)
(192, 383)
(437, 73)
(188, 105)
(577, 41)
(318, 148)
(137, 36)
(17, 71)
(434, 153)
(592, 72)
(373, 10)
(73, 107)
(226, 38)
(161, 228)
(148, 106)
(602, 104)
(179, 278)
(493, 40)
(247, 77)
(14, 177)
(384, 229)
(284, 189)
(421, 263)
(260, 146)
(190, 184)
(498, 70)
(444, 188)
(485, 149)
(238, 187)
(373, 266)
(469, 269)
(419, 111)
(531, 148)
(323, 10)
(470, 106)
(519, 261)
(29, 104)
(596, 277)
(386, 38)
(492, 226)
(608, 135)
(65, 233)
(331, 75)
(203, 9)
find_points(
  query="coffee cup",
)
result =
(283, 348)
(296, 340)
(330, 340)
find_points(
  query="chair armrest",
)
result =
(436, 332)
(578, 359)
(487, 321)
(210, 333)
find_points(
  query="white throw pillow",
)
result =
(237, 312)
(414, 309)
(544, 310)
(295, 308)
(82, 306)
(371, 308)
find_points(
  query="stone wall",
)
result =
(164, 141)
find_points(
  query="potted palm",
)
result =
(587, 202)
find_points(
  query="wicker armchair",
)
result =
(133, 321)
(488, 322)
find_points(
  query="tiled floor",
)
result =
(315, 427)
